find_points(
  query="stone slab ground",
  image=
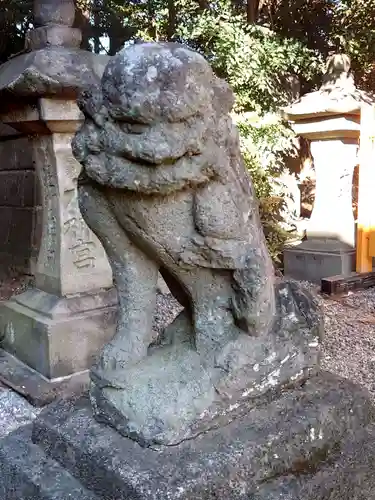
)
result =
(15, 411)
(310, 443)
(35, 476)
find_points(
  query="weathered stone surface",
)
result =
(57, 336)
(39, 73)
(60, 12)
(314, 259)
(53, 35)
(337, 95)
(35, 387)
(17, 189)
(335, 184)
(164, 188)
(27, 474)
(312, 443)
(53, 21)
(171, 395)
(15, 412)
(19, 203)
(15, 154)
(71, 259)
(16, 245)
(57, 327)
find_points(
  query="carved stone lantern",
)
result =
(57, 327)
(330, 119)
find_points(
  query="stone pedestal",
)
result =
(332, 217)
(330, 246)
(315, 259)
(313, 443)
(58, 327)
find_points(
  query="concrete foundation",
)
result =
(313, 260)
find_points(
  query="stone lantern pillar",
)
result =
(56, 328)
(330, 119)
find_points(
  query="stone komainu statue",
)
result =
(164, 187)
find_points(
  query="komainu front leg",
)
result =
(135, 277)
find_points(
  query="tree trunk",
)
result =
(171, 20)
(116, 35)
(203, 4)
(96, 31)
(82, 22)
(152, 20)
(252, 11)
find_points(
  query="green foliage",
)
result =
(254, 60)
(15, 18)
(271, 206)
(266, 140)
(264, 144)
(277, 39)
(354, 33)
(166, 16)
(309, 21)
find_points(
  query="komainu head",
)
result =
(158, 105)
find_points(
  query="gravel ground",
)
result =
(349, 343)
(14, 285)
(167, 309)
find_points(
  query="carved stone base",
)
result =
(313, 260)
(54, 35)
(57, 336)
(313, 443)
(172, 395)
(36, 388)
